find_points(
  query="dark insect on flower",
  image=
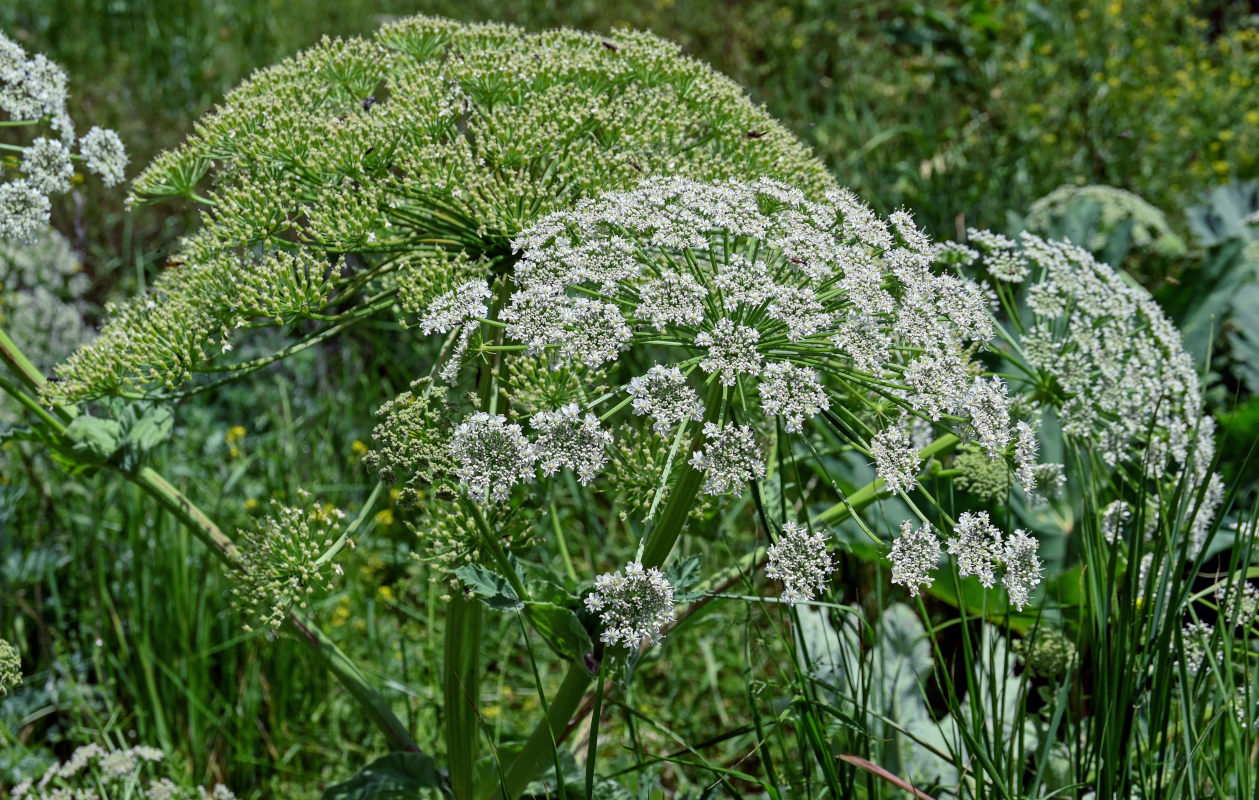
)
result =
(368, 102)
(795, 260)
(635, 165)
(756, 134)
(610, 46)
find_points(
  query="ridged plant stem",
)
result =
(373, 704)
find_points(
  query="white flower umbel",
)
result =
(756, 286)
(566, 439)
(977, 545)
(664, 395)
(731, 351)
(793, 393)
(454, 308)
(491, 456)
(730, 458)
(915, 554)
(104, 153)
(24, 211)
(895, 459)
(48, 166)
(672, 299)
(801, 561)
(633, 606)
(989, 410)
(1022, 567)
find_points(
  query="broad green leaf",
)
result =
(561, 629)
(151, 429)
(94, 440)
(493, 589)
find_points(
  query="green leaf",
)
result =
(561, 629)
(93, 440)
(397, 776)
(151, 429)
(493, 589)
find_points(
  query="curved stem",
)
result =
(374, 705)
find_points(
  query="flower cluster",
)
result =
(417, 153)
(1114, 368)
(791, 305)
(979, 549)
(32, 94)
(491, 456)
(286, 558)
(93, 772)
(633, 606)
(915, 554)
(801, 561)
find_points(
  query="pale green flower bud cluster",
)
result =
(985, 478)
(276, 286)
(1048, 654)
(432, 138)
(633, 606)
(413, 438)
(93, 772)
(286, 557)
(1147, 227)
(33, 94)
(10, 667)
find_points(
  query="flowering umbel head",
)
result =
(801, 561)
(33, 95)
(418, 153)
(790, 304)
(1102, 356)
(633, 606)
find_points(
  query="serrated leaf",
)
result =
(151, 429)
(92, 440)
(561, 629)
(397, 776)
(493, 589)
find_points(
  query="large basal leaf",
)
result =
(397, 776)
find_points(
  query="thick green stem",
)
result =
(324, 649)
(660, 541)
(462, 688)
(682, 495)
